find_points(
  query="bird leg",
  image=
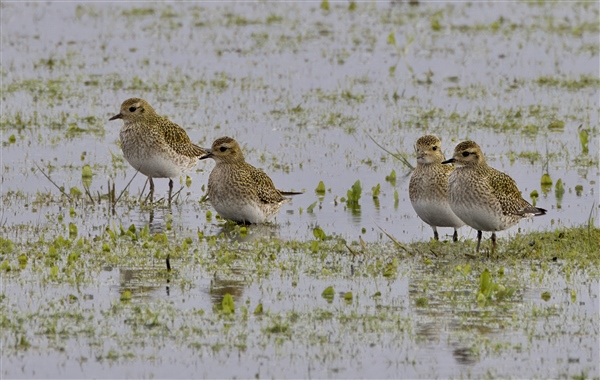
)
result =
(151, 195)
(493, 243)
(455, 236)
(478, 240)
(435, 234)
(170, 189)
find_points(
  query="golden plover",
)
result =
(153, 144)
(428, 188)
(237, 190)
(484, 198)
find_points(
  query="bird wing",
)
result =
(265, 189)
(179, 141)
(506, 191)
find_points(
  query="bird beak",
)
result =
(119, 116)
(207, 155)
(449, 161)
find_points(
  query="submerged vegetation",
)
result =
(330, 98)
(495, 293)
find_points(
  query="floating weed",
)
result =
(534, 196)
(391, 178)
(390, 270)
(138, 12)
(72, 231)
(234, 19)
(490, 291)
(86, 175)
(320, 190)
(353, 195)
(227, 305)
(126, 296)
(273, 18)
(5, 266)
(532, 157)
(583, 138)
(546, 296)
(391, 39)
(559, 191)
(584, 81)
(556, 126)
(311, 207)
(468, 92)
(465, 270)
(319, 234)
(375, 191)
(328, 294)
(546, 183)
(348, 298)
(278, 326)
(6, 246)
(421, 302)
(435, 21)
(349, 96)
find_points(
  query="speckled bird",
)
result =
(153, 144)
(428, 188)
(237, 190)
(483, 197)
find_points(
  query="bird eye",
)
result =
(223, 149)
(131, 109)
(434, 147)
(465, 154)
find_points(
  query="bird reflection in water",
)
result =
(143, 283)
(233, 285)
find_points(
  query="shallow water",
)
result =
(303, 334)
(302, 89)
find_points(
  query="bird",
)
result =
(484, 198)
(154, 145)
(237, 190)
(428, 187)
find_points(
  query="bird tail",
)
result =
(286, 193)
(533, 211)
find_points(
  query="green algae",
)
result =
(90, 271)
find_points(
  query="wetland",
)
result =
(346, 281)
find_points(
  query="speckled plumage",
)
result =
(237, 190)
(153, 144)
(483, 197)
(428, 188)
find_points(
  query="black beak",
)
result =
(449, 161)
(119, 116)
(207, 155)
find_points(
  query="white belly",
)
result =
(154, 166)
(242, 213)
(480, 218)
(437, 214)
